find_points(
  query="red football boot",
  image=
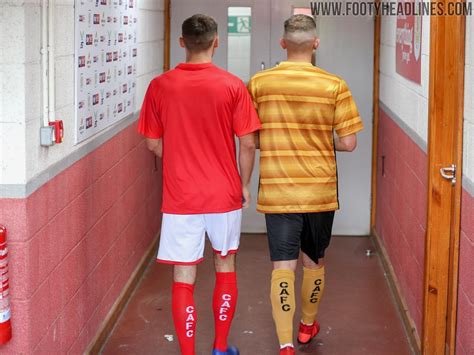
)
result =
(287, 350)
(306, 333)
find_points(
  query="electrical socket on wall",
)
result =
(47, 136)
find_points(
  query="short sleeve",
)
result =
(346, 118)
(252, 89)
(150, 124)
(245, 118)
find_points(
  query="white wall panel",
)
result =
(21, 156)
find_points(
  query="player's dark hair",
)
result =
(199, 32)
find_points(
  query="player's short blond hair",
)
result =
(300, 29)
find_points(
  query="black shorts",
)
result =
(288, 233)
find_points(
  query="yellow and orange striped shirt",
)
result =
(300, 106)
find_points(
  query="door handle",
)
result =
(449, 173)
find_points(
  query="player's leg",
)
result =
(184, 308)
(315, 239)
(224, 233)
(224, 300)
(182, 245)
(284, 232)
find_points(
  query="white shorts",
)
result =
(183, 236)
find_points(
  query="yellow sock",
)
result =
(311, 293)
(282, 295)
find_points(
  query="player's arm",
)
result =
(347, 121)
(247, 148)
(346, 144)
(155, 146)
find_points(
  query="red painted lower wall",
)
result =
(465, 326)
(401, 209)
(74, 243)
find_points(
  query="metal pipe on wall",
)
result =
(44, 60)
(47, 61)
(51, 67)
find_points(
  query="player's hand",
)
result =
(245, 197)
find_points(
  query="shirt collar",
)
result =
(193, 66)
(304, 64)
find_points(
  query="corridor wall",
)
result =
(465, 326)
(402, 169)
(79, 217)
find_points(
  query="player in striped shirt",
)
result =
(307, 115)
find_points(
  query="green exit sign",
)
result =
(239, 25)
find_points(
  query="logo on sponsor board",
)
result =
(88, 122)
(102, 78)
(82, 61)
(95, 99)
(89, 39)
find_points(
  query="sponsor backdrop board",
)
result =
(106, 63)
(408, 42)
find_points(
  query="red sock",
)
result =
(184, 316)
(224, 302)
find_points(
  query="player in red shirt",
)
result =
(190, 116)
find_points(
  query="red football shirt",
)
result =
(197, 109)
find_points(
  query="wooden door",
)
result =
(445, 150)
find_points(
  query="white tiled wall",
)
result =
(21, 156)
(408, 100)
(14, 65)
(468, 158)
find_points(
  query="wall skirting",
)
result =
(408, 321)
(113, 317)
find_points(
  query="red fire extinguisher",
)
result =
(5, 323)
